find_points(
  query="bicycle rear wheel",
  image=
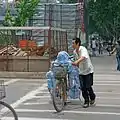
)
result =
(7, 112)
(59, 96)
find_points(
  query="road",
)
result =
(31, 99)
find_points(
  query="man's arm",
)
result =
(79, 60)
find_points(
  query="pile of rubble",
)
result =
(38, 51)
(11, 50)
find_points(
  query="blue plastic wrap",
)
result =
(72, 71)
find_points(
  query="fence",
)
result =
(27, 49)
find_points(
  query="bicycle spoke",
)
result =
(58, 97)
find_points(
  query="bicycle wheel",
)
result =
(59, 96)
(7, 112)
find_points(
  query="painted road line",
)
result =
(27, 118)
(44, 92)
(77, 112)
(114, 93)
(106, 84)
(107, 105)
(109, 98)
(48, 96)
(107, 78)
(11, 81)
(37, 103)
(106, 75)
(99, 81)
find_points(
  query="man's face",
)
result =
(74, 45)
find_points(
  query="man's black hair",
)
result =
(77, 40)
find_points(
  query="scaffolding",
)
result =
(65, 16)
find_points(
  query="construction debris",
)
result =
(11, 50)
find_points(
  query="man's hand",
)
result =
(75, 63)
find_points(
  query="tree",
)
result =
(105, 14)
(24, 11)
(72, 1)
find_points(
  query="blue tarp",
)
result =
(63, 59)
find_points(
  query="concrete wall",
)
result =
(24, 64)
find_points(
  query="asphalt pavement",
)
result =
(31, 100)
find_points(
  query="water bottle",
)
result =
(50, 79)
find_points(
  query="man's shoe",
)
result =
(86, 105)
(92, 102)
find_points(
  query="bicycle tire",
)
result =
(10, 108)
(63, 97)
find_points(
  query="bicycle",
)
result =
(59, 93)
(6, 111)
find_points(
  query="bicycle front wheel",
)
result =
(7, 112)
(59, 96)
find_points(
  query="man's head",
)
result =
(76, 43)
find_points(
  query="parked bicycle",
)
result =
(6, 111)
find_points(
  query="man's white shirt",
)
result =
(85, 66)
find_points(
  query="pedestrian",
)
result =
(100, 47)
(82, 59)
(109, 47)
(117, 50)
(93, 46)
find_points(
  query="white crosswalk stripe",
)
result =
(23, 118)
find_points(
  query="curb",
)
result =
(28, 75)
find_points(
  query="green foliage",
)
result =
(72, 1)
(25, 10)
(105, 14)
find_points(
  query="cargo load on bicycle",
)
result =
(62, 67)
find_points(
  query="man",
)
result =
(93, 46)
(82, 60)
(117, 50)
(100, 47)
(109, 47)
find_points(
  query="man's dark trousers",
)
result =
(86, 85)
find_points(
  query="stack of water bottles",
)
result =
(63, 59)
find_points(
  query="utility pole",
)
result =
(86, 20)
